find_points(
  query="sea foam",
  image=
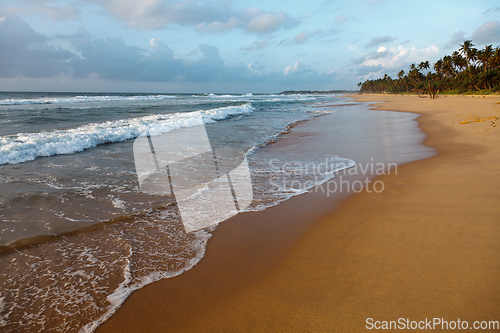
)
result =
(83, 99)
(2, 307)
(23, 147)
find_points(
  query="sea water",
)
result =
(77, 234)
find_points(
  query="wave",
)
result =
(25, 147)
(83, 99)
(229, 95)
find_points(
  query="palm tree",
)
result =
(458, 61)
(448, 66)
(401, 77)
(424, 65)
(467, 69)
(484, 57)
(439, 66)
(469, 52)
(414, 75)
(495, 58)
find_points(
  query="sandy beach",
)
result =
(427, 246)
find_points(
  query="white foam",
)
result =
(25, 147)
(289, 192)
(83, 99)
(117, 203)
(125, 288)
(3, 318)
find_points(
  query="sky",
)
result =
(228, 46)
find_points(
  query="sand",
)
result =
(428, 246)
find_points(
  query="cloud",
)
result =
(489, 32)
(158, 14)
(112, 59)
(26, 52)
(259, 45)
(300, 73)
(193, 52)
(341, 19)
(366, 70)
(381, 53)
(301, 37)
(205, 16)
(358, 61)
(305, 36)
(256, 20)
(295, 68)
(457, 38)
(394, 58)
(377, 41)
(56, 13)
(218, 26)
(61, 13)
(492, 10)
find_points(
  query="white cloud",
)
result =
(297, 67)
(396, 58)
(290, 68)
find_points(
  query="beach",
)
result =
(225, 166)
(425, 247)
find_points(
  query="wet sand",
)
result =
(427, 246)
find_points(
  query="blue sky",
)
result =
(228, 45)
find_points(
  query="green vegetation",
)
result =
(466, 71)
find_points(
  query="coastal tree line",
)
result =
(467, 69)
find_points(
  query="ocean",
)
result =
(79, 232)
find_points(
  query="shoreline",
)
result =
(349, 263)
